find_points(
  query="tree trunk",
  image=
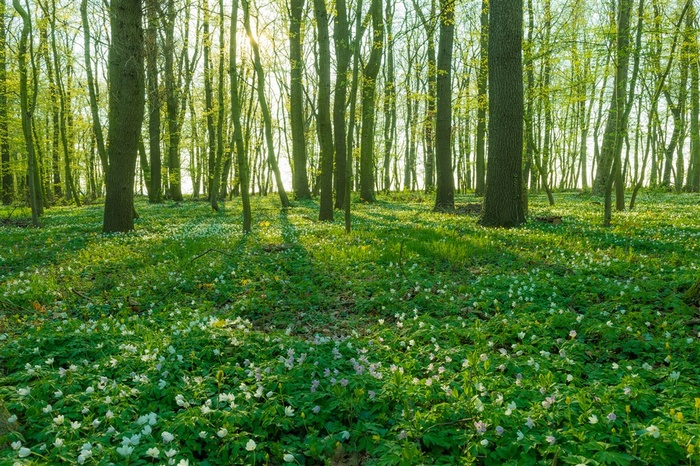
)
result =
(445, 193)
(27, 109)
(341, 38)
(155, 194)
(296, 101)
(503, 205)
(94, 107)
(616, 126)
(269, 141)
(126, 109)
(323, 115)
(212, 174)
(694, 106)
(482, 101)
(369, 87)
(7, 187)
(389, 99)
(172, 99)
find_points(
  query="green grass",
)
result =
(420, 338)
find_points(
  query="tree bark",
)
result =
(482, 101)
(296, 101)
(126, 109)
(503, 205)
(369, 88)
(155, 193)
(445, 192)
(6, 179)
(323, 115)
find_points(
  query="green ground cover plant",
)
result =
(420, 338)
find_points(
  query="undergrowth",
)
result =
(420, 338)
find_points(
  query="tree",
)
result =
(369, 89)
(323, 118)
(155, 192)
(341, 40)
(6, 179)
(27, 106)
(482, 100)
(445, 193)
(264, 108)
(92, 92)
(503, 206)
(241, 157)
(296, 101)
(126, 110)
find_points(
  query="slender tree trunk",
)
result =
(94, 107)
(445, 193)
(27, 106)
(126, 109)
(296, 101)
(6, 179)
(155, 193)
(341, 38)
(269, 141)
(694, 55)
(482, 101)
(369, 88)
(503, 206)
(389, 98)
(323, 116)
(212, 175)
(616, 127)
(172, 99)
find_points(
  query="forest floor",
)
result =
(419, 338)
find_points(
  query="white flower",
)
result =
(12, 419)
(58, 394)
(170, 453)
(167, 437)
(653, 431)
(288, 458)
(75, 425)
(58, 443)
(153, 452)
(24, 391)
(109, 414)
(16, 445)
(183, 462)
(593, 419)
(58, 419)
(510, 408)
(345, 435)
(288, 411)
(125, 450)
(675, 375)
(47, 409)
(222, 432)
(250, 446)
(484, 443)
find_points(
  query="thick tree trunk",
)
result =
(445, 193)
(126, 109)
(503, 206)
(172, 99)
